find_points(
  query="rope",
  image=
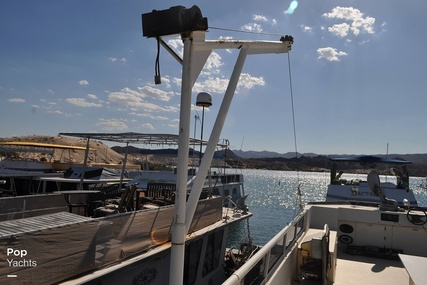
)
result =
(295, 138)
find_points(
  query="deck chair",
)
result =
(159, 194)
(125, 204)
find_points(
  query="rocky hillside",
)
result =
(100, 153)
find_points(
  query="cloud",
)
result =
(264, 19)
(149, 115)
(340, 29)
(306, 28)
(156, 93)
(260, 18)
(135, 99)
(330, 54)
(16, 100)
(212, 65)
(115, 59)
(57, 112)
(82, 102)
(112, 124)
(174, 123)
(92, 96)
(83, 82)
(357, 22)
(177, 45)
(148, 126)
(211, 85)
(219, 85)
(252, 27)
(247, 81)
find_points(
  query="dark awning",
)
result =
(369, 159)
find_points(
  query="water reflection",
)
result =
(273, 198)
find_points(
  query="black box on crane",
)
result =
(175, 20)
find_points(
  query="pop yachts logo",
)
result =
(16, 258)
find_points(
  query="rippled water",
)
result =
(273, 198)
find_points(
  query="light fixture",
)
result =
(203, 100)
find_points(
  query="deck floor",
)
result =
(363, 270)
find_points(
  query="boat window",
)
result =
(234, 191)
(226, 192)
(290, 236)
(191, 265)
(213, 252)
(275, 253)
(299, 226)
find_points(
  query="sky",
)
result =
(356, 75)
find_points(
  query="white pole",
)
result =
(84, 164)
(214, 138)
(179, 232)
(124, 166)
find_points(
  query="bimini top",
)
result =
(369, 159)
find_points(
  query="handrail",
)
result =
(238, 276)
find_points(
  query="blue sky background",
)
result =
(358, 73)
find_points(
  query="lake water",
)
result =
(273, 198)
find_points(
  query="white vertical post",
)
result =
(124, 165)
(84, 164)
(179, 232)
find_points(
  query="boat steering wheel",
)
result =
(417, 219)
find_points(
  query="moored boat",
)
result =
(348, 179)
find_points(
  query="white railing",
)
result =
(269, 253)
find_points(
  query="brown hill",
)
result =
(99, 152)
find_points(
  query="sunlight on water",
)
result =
(273, 198)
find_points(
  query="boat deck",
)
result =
(357, 269)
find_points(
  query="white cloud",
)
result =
(148, 126)
(211, 85)
(252, 27)
(112, 124)
(306, 28)
(16, 100)
(177, 45)
(82, 102)
(357, 22)
(174, 123)
(149, 115)
(260, 18)
(247, 81)
(340, 29)
(156, 93)
(115, 59)
(213, 64)
(57, 112)
(330, 54)
(135, 99)
(83, 82)
(92, 96)
(219, 85)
